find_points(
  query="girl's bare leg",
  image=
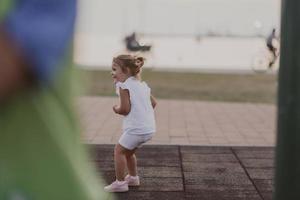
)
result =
(120, 162)
(131, 164)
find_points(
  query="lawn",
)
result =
(257, 88)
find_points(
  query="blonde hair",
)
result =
(133, 63)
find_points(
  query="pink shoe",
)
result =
(132, 181)
(117, 186)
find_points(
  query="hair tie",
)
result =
(138, 63)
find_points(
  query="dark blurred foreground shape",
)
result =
(287, 176)
(41, 155)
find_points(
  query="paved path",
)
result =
(172, 172)
(185, 123)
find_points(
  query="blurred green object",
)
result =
(287, 175)
(5, 6)
(41, 154)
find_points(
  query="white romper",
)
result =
(139, 124)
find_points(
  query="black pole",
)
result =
(287, 173)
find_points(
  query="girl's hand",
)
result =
(116, 109)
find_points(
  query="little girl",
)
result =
(136, 104)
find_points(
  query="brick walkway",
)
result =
(185, 123)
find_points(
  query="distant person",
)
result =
(41, 155)
(132, 44)
(272, 45)
(136, 105)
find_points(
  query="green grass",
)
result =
(258, 88)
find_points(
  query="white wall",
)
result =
(175, 17)
(171, 26)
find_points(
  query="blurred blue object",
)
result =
(43, 29)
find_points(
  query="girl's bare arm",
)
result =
(153, 101)
(124, 107)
